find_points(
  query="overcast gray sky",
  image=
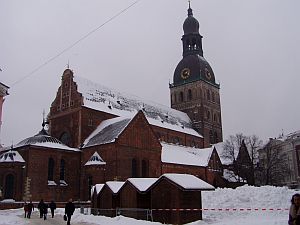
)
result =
(252, 46)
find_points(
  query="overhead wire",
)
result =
(75, 43)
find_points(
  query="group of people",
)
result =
(43, 209)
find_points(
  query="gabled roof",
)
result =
(98, 97)
(115, 186)
(95, 160)
(220, 149)
(188, 181)
(42, 139)
(178, 154)
(107, 131)
(142, 184)
(11, 156)
(97, 188)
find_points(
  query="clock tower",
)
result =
(194, 89)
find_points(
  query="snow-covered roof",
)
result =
(115, 186)
(107, 131)
(183, 155)
(97, 188)
(95, 160)
(142, 184)
(220, 149)
(98, 97)
(188, 181)
(11, 156)
(42, 139)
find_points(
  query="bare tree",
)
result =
(254, 143)
(273, 164)
(242, 152)
(231, 151)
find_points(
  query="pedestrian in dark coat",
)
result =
(52, 207)
(41, 208)
(294, 213)
(69, 210)
(25, 209)
(30, 207)
(45, 210)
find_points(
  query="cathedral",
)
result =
(96, 134)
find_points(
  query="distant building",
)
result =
(279, 161)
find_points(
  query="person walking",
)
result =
(294, 213)
(52, 207)
(30, 209)
(69, 210)
(45, 210)
(25, 209)
(41, 208)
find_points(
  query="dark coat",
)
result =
(52, 205)
(30, 207)
(69, 208)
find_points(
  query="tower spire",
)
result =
(190, 11)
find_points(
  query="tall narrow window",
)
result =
(50, 169)
(133, 168)
(216, 139)
(181, 96)
(145, 168)
(62, 170)
(211, 137)
(9, 187)
(190, 96)
(90, 184)
(208, 95)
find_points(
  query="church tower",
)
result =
(194, 89)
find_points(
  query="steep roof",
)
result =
(220, 149)
(183, 155)
(107, 131)
(11, 156)
(98, 97)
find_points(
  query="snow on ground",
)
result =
(246, 197)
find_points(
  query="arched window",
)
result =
(216, 139)
(62, 170)
(208, 95)
(211, 137)
(145, 168)
(9, 187)
(213, 96)
(134, 168)
(215, 117)
(208, 114)
(50, 169)
(181, 96)
(190, 96)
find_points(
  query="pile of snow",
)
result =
(246, 197)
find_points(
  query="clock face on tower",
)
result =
(185, 73)
(207, 74)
